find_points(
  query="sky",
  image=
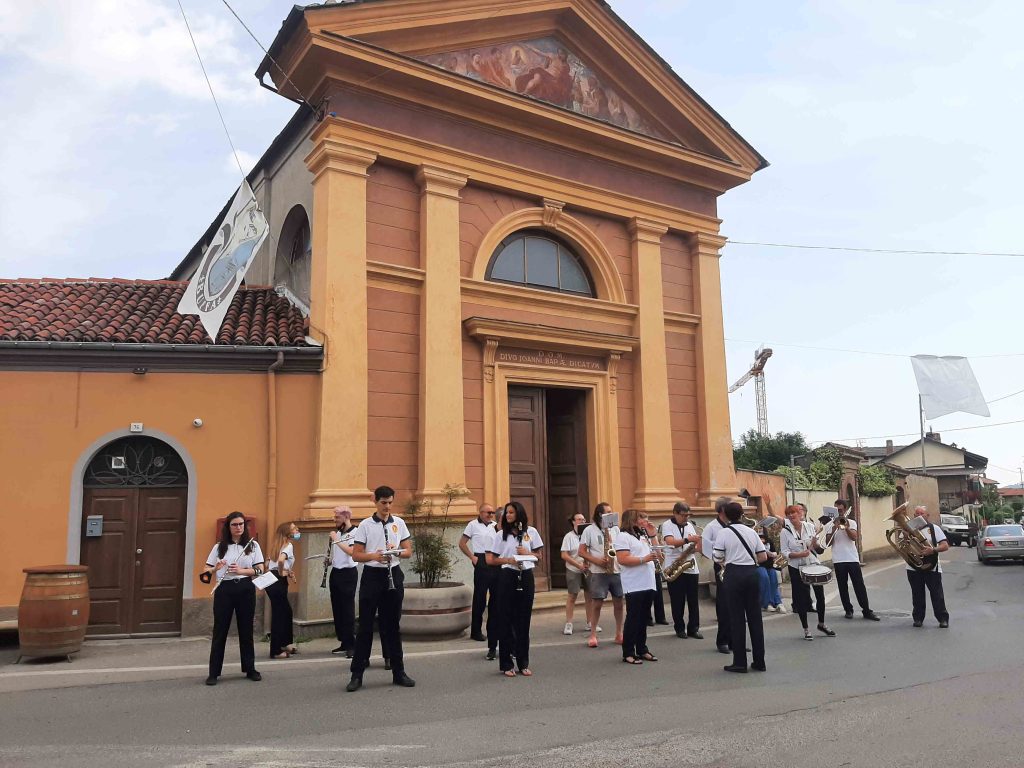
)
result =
(887, 126)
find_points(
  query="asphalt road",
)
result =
(879, 694)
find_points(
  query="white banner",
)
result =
(239, 235)
(947, 385)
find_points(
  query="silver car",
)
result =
(1001, 542)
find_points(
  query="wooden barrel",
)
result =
(54, 610)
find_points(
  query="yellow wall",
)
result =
(49, 419)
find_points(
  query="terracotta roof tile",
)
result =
(138, 312)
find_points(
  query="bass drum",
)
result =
(815, 574)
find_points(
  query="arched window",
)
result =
(536, 259)
(292, 268)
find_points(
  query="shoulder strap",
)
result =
(743, 542)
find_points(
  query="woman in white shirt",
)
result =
(636, 564)
(282, 641)
(235, 559)
(796, 541)
(576, 571)
(514, 609)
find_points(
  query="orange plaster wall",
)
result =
(681, 356)
(473, 415)
(627, 429)
(677, 273)
(392, 216)
(479, 211)
(49, 419)
(616, 239)
(393, 338)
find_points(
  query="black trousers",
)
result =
(744, 598)
(851, 572)
(658, 600)
(343, 605)
(513, 613)
(802, 597)
(683, 592)
(484, 576)
(375, 599)
(280, 616)
(933, 581)
(634, 630)
(238, 597)
(724, 635)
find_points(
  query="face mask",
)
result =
(296, 536)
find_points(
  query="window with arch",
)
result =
(536, 259)
(294, 252)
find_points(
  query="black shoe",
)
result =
(662, 622)
(759, 667)
(918, 623)
(823, 628)
(724, 649)
(349, 654)
(254, 676)
(695, 635)
(650, 622)
(387, 664)
(479, 637)
(403, 680)
(354, 684)
(681, 635)
(211, 680)
(848, 615)
(943, 625)
(339, 650)
(872, 616)
(734, 668)
(491, 654)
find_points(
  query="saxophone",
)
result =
(686, 560)
(908, 542)
(609, 551)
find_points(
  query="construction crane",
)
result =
(756, 373)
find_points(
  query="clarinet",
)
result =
(327, 562)
(387, 548)
(519, 566)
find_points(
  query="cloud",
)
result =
(247, 159)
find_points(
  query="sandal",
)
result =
(648, 656)
(509, 673)
(826, 631)
(526, 672)
(281, 655)
(631, 660)
(292, 651)
(592, 642)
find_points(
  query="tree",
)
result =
(766, 452)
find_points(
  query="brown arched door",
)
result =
(133, 538)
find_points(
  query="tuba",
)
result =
(908, 542)
(686, 560)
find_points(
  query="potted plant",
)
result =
(435, 607)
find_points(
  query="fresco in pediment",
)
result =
(545, 69)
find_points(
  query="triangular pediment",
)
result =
(547, 69)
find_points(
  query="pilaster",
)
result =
(442, 452)
(717, 472)
(656, 491)
(338, 319)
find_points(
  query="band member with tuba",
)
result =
(678, 532)
(796, 539)
(381, 540)
(514, 610)
(235, 559)
(723, 640)
(843, 534)
(932, 578)
(739, 549)
(474, 542)
(636, 562)
(343, 578)
(604, 577)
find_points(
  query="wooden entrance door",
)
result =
(136, 565)
(547, 466)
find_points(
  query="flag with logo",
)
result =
(947, 385)
(239, 235)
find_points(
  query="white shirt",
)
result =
(571, 544)
(593, 538)
(506, 547)
(370, 533)
(234, 555)
(729, 550)
(794, 539)
(339, 557)
(707, 539)
(635, 578)
(479, 535)
(844, 549)
(289, 557)
(940, 536)
(671, 528)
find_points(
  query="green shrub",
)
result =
(875, 481)
(433, 558)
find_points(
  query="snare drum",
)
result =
(815, 574)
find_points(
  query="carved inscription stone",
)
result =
(551, 359)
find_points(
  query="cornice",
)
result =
(439, 181)
(681, 322)
(382, 275)
(330, 153)
(709, 244)
(556, 304)
(647, 230)
(535, 336)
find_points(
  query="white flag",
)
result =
(947, 385)
(239, 235)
